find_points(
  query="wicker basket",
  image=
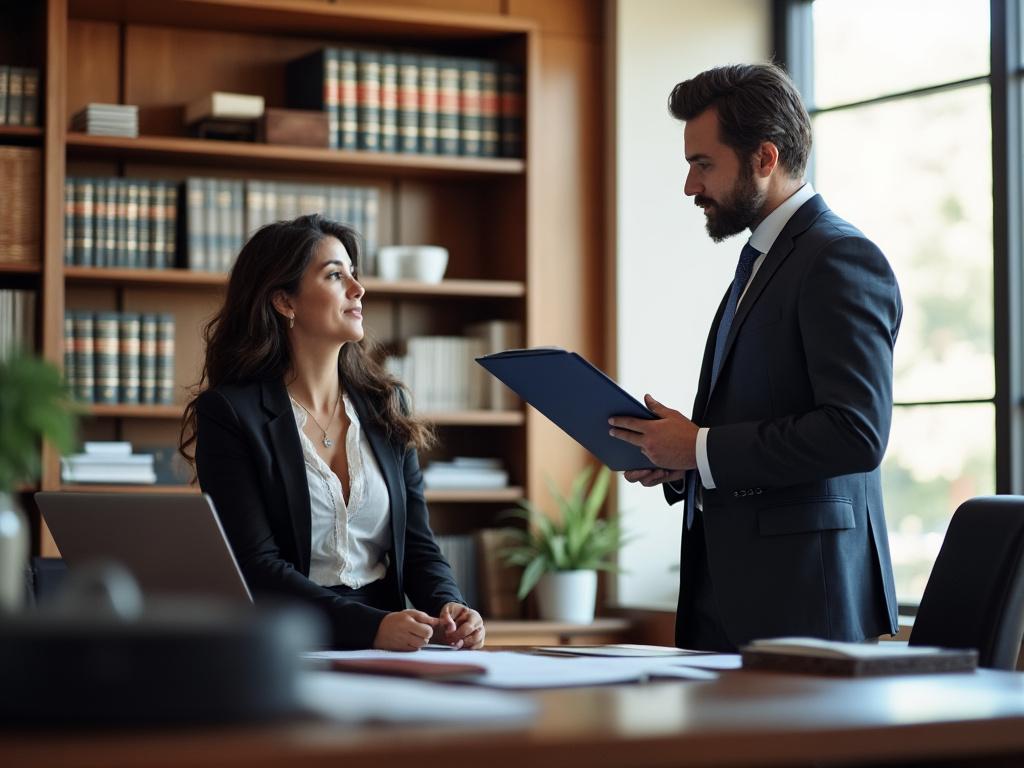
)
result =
(20, 169)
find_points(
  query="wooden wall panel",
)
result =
(467, 6)
(567, 280)
(576, 18)
(94, 49)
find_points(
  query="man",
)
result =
(784, 529)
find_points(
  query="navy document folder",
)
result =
(576, 396)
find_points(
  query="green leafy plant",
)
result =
(579, 541)
(33, 404)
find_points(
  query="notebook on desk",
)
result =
(171, 543)
(578, 397)
(826, 657)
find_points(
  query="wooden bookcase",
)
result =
(520, 248)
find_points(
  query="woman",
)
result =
(308, 451)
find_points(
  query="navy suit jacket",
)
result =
(249, 460)
(799, 420)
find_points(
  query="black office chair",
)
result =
(975, 593)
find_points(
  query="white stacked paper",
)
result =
(465, 474)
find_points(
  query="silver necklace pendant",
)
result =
(328, 442)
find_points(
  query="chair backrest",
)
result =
(975, 593)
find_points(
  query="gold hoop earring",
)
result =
(291, 321)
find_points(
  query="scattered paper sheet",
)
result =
(364, 698)
(511, 670)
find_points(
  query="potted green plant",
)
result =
(33, 405)
(561, 557)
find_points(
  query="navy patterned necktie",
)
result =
(744, 267)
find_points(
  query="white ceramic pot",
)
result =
(567, 596)
(13, 554)
(425, 263)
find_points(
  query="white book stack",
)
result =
(497, 336)
(107, 120)
(108, 462)
(442, 374)
(465, 473)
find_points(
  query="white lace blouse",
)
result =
(349, 540)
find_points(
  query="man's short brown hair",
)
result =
(755, 103)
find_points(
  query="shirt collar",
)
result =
(764, 237)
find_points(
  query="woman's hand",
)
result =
(462, 627)
(407, 630)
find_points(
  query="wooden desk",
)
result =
(744, 718)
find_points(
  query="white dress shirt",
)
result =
(349, 541)
(762, 238)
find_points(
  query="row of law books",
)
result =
(135, 223)
(115, 222)
(119, 357)
(108, 462)
(17, 322)
(442, 374)
(388, 101)
(220, 214)
(19, 95)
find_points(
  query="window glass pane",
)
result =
(870, 48)
(938, 457)
(915, 175)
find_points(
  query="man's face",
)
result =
(718, 182)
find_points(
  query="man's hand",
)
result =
(463, 627)
(407, 630)
(649, 477)
(670, 441)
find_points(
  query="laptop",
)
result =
(171, 543)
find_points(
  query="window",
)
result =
(902, 94)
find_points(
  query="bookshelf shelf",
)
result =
(475, 418)
(511, 495)
(19, 268)
(20, 134)
(252, 156)
(443, 419)
(162, 278)
(135, 411)
(127, 488)
(305, 18)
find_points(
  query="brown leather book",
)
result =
(823, 657)
(409, 668)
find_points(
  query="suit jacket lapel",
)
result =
(284, 437)
(783, 246)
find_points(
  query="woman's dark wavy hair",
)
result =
(755, 103)
(247, 340)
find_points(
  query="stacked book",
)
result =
(388, 101)
(17, 322)
(119, 357)
(465, 473)
(460, 552)
(108, 462)
(441, 373)
(222, 115)
(110, 222)
(107, 120)
(19, 96)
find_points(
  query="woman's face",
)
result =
(328, 305)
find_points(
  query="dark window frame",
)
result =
(792, 34)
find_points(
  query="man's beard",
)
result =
(738, 212)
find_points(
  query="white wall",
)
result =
(669, 275)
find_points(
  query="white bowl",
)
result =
(425, 263)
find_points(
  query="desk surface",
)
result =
(743, 718)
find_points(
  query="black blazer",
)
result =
(249, 460)
(799, 419)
